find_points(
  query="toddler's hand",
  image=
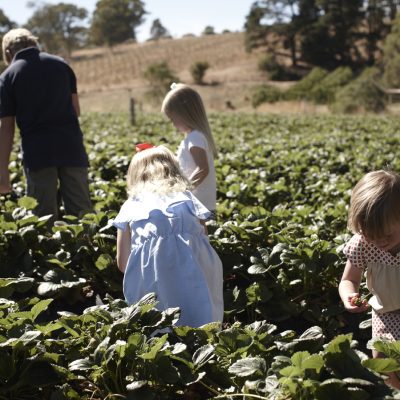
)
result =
(355, 304)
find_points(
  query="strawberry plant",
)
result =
(283, 190)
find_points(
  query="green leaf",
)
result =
(299, 357)
(29, 220)
(330, 389)
(257, 269)
(389, 349)
(303, 360)
(179, 348)
(156, 346)
(27, 202)
(248, 366)
(30, 336)
(82, 364)
(10, 285)
(40, 307)
(258, 292)
(104, 261)
(203, 355)
(359, 382)
(382, 365)
(46, 329)
(135, 385)
(50, 289)
(291, 371)
(315, 362)
(339, 343)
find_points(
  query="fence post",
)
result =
(132, 110)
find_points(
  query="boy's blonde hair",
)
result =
(184, 104)
(155, 170)
(375, 204)
(16, 40)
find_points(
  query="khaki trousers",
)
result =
(47, 185)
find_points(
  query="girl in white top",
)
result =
(374, 218)
(196, 153)
(161, 244)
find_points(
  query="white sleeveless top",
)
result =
(206, 192)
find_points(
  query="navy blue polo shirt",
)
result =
(37, 90)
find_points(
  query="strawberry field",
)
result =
(283, 190)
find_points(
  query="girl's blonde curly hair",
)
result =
(155, 170)
(375, 204)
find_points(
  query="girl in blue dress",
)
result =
(161, 243)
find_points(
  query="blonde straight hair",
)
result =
(375, 204)
(184, 104)
(155, 170)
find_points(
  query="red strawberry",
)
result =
(358, 301)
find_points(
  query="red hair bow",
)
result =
(143, 146)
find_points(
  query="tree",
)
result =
(115, 21)
(158, 31)
(209, 30)
(255, 31)
(330, 40)
(379, 16)
(5, 23)
(271, 18)
(59, 26)
(391, 56)
(321, 32)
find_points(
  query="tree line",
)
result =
(64, 27)
(325, 33)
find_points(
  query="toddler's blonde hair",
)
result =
(184, 104)
(155, 170)
(16, 40)
(375, 204)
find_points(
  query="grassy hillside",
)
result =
(107, 78)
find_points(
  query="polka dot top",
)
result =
(382, 272)
(360, 253)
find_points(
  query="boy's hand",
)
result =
(355, 304)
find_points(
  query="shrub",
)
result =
(198, 70)
(303, 88)
(265, 94)
(269, 65)
(392, 71)
(275, 71)
(160, 77)
(362, 94)
(324, 91)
